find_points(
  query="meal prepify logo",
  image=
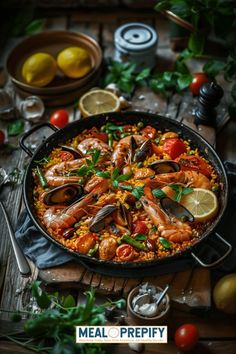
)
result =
(121, 334)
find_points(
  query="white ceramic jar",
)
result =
(136, 42)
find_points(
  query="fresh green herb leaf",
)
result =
(126, 187)
(115, 173)
(95, 156)
(69, 301)
(42, 298)
(165, 243)
(83, 170)
(138, 192)
(214, 67)
(140, 237)
(186, 190)
(43, 161)
(196, 43)
(158, 193)
(144, 74)
(115, 183)
(120, 304)
(15, 127)
(34, 26)
(184, 81)
(103, 174)
(124, 177)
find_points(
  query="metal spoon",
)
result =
(21, 260)
(162, 295)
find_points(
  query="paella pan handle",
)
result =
(219, 260)
(31, 131)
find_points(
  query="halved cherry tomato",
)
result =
(156, 149)
(59, 118)
(198, 80)
(97, 135)
(186, 336)
(194, 163)
(66, 155)
(125, 253)
(140, 227)
(2, 137)
(174, 147)
(149, 132)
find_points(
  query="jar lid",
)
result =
(135, 37)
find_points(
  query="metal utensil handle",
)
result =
(21, 260)
(31, 131)
(213, 264)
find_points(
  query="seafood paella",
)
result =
(126, 193)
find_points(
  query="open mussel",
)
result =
(164, 166)
(123, 217)
(98, 222)
(173, 208)
(76, 153)
(64, 195)
(143, 151)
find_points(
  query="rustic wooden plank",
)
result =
(107, 35)
(198, 292)
(146, 100)
(162, 29)
(70, 272)
(129, 285)
(87, 277)
(178, 286)
(56, 23)
(77, 24)
(173, 106)
(119, 285)
(96, 280)
(208, 133)
(106, 284)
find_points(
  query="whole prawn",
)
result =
(54, 175)
(89, 144)
(170, 228)
(188, 178)
(59, 218)
(122, 152)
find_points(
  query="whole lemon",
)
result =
(74, 62)
(39, 69)
(224, 294)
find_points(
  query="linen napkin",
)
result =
(45, 254)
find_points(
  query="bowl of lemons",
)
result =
(58, 66)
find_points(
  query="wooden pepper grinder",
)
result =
(209, 97)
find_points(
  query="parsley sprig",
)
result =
(116, 178)
(51, 329)
(180, 191)
(90, 166)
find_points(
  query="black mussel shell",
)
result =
(143, 151)
(133, 147)
(98, 222)
(164, 166)
(76, 153)
(173, 208)
(64, 195)
(126, 216)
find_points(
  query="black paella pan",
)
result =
(59, 137)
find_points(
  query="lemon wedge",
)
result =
(202, 203)
(98, 101)
(74, 62)
(39, 69)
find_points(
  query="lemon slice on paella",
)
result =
(98, 101)
(202, 203)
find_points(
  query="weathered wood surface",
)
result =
(13, 294)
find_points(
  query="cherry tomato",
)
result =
(149, 132)
(186, 336)
(174, 147)
(198, 80)
(97, 135)
(194, 163)
(66, 155)
(59, 118)
(140, 227)
(125, 253)
(2, 137)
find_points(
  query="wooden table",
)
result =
(217, 331)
